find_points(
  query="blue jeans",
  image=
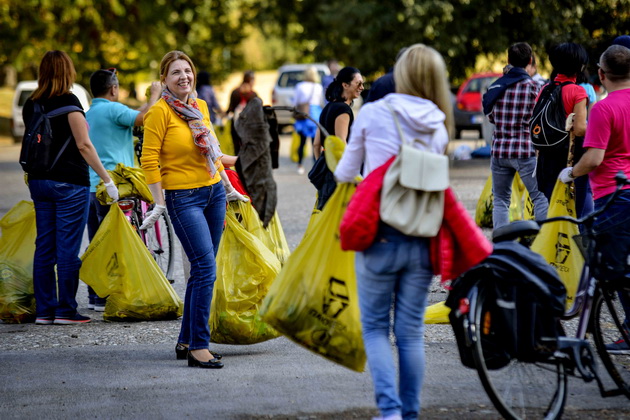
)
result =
(96, 215)
(395, 269)
(61, 211)
(198, 215)
(503, 171)
(613, 240)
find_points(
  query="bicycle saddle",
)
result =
(515, 230)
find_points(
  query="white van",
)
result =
(284, 89)
(24, 90)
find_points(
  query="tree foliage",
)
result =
(133, 35)
(368, 33)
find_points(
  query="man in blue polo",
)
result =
(111, 124)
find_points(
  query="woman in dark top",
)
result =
(61, 194)
(336, 117)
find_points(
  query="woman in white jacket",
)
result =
(397, 268)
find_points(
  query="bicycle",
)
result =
(534, 384)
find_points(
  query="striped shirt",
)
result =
(511, 115)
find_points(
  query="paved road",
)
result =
(119, 370)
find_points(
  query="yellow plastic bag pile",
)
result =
(521, 206)
(130, 182)
(247, 264)
(314, 299)
(555, 240)
(17, 249)
(118, 265)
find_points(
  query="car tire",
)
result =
(17, 139)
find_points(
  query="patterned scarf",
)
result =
(203, 137)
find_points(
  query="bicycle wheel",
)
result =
(518, 390)
(159, 240)
(607, 326)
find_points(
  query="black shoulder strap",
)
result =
(63, 110)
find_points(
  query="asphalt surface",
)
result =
(53, 372)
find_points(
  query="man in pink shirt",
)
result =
(607, 145)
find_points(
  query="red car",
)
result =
(467, 108)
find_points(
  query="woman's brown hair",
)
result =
(56, 75)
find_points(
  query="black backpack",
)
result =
(548, 118)
(36, 155)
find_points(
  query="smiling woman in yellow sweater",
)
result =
(181, 155)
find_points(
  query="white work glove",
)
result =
(152, 216)
(112, 191)
(566, 175)
(236, 196)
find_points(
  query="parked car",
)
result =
(24, 90)
(284, 89)
(467, 108)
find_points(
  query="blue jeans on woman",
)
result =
(198, 215)
(395, 269)
(61, 211)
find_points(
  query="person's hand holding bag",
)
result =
(230, 192)
(152, 216)
(112, 191)
(566, 175)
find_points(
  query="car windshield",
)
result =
(289, 79)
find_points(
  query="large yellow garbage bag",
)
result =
(278, 241)
(555, 240)
(224, 135)
(118, 265)
(246, 267)
(314, 299)
(437, 314)
(17, 249)
(485, 204)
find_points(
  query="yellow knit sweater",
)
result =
(169, 153)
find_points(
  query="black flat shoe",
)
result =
(211, 364)
(181, 351)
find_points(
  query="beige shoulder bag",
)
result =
(412, 199)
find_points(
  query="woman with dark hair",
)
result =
(337, 117)
(61, 194)
(206, 92)
(568, 60)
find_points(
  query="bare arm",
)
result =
(591, 159)
(342, 126)
(79, 129)
(156, 191)
(317, 144)
(579, 122)
(156, 91)
(228, 160)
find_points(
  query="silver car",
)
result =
(284, 89)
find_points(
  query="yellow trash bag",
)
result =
(485, 204)
(314, 299)
(437, 314)
(130, 182)
(17, 249)
(555, 240)
(118, 265)
(295, 145)
(278, 241)
(224, 135)
(245, 270)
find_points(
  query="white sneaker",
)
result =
(390, 417)
(99, 308)
(300, 170)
